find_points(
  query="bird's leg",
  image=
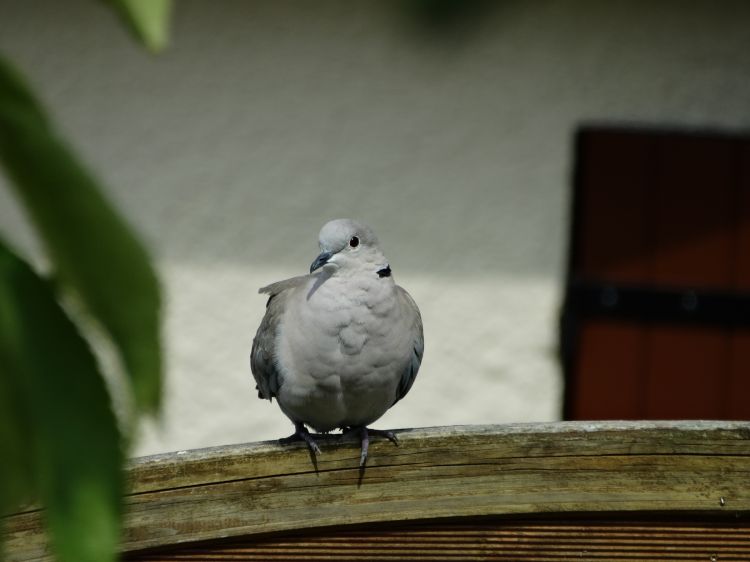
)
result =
(365, 445)
(302, 434)
(364, 435)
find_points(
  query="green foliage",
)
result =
(59, 440)
(70, 455)
(147, 19)
(94, 252)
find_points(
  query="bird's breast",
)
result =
(340, 328)
(352, 315)
(341, 360)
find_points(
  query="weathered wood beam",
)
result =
(443, 472)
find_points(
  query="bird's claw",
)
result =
(301, 433)
(364, 435)
(385, 433)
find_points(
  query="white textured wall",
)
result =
(267, 118)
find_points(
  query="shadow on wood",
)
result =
(562, 491)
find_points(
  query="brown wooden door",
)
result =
(656, 322)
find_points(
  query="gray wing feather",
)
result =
(412, 366)
(263, 354)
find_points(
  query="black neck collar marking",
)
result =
(385, 272)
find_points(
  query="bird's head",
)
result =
(348, 246)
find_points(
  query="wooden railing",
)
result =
(558, 491)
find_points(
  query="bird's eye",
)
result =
(354, 242)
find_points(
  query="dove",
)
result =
(341, 345)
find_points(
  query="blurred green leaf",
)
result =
(72, 433)
(93, 251)
(16, 469)
(147, 19)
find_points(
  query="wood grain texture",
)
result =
(452, 472)
(521, 541)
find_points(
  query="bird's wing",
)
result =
(263, 355)
(414, 331)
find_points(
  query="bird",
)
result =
(338, 347)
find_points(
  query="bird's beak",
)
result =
(320, 261)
